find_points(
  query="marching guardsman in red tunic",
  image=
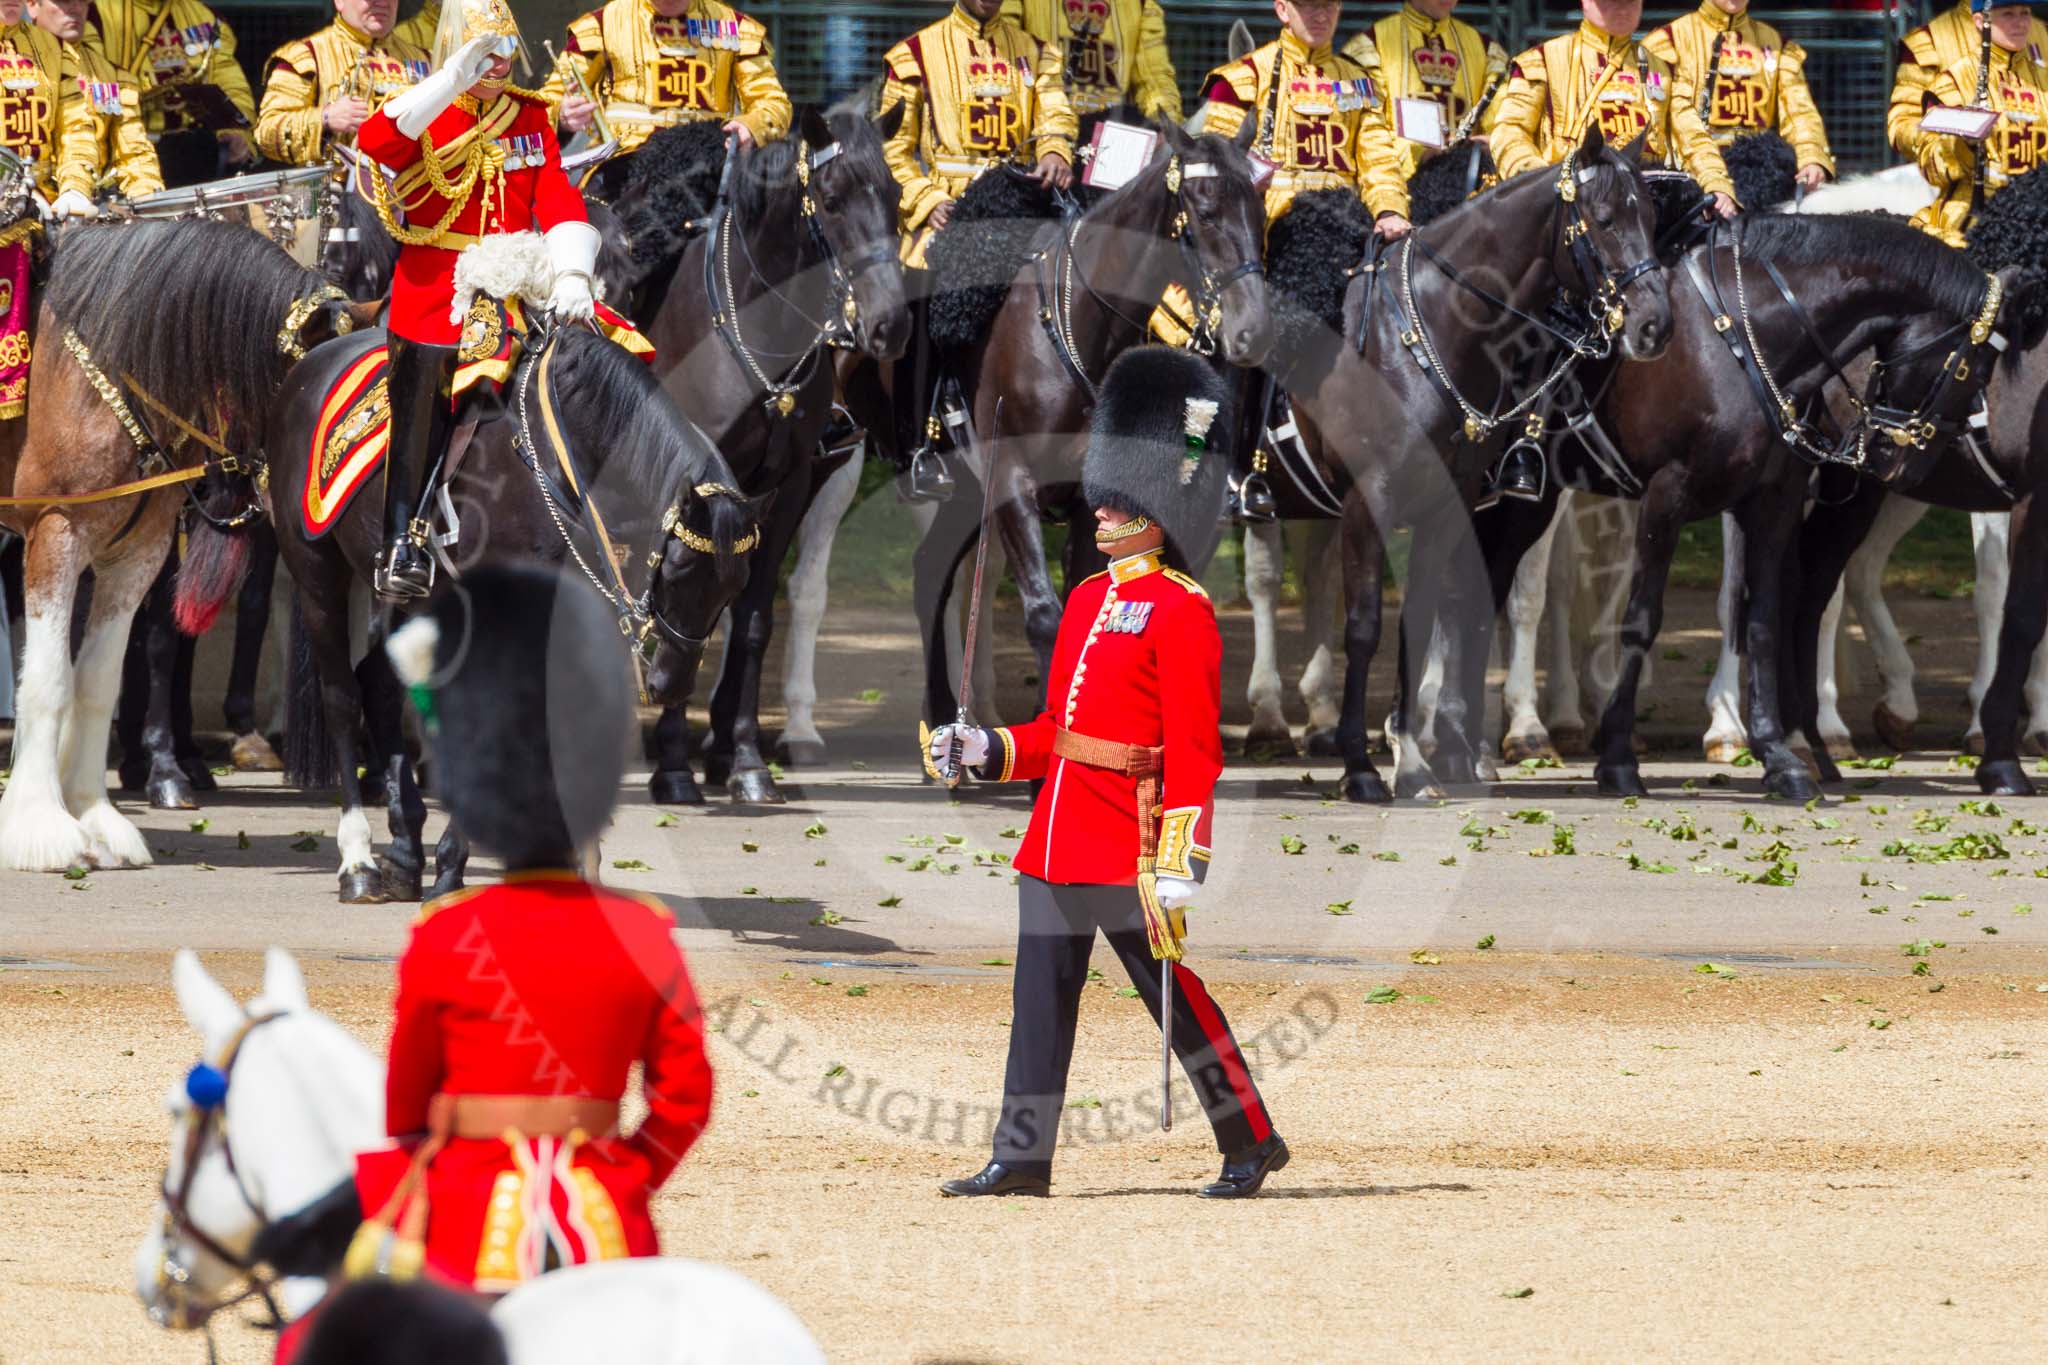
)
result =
(522, 1007)
(472, 158)
(1129, 752)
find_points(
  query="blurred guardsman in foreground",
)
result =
(1128, 752)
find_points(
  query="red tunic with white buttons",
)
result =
(1138, 661)
(531, 194)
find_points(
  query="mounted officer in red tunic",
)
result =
(471, 158)
(522, 1007)
(1129, 751)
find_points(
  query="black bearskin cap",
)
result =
(1141, 459)
(520, 678)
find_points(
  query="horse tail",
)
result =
(210, 573)
(308, 747)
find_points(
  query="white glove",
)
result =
(572, 252)
(413, 110)
(973, 744)
(1177, 893)
(72, 204)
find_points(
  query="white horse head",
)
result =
(293, 1098)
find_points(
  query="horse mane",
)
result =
(649, 447)
(377, 252)
(189, 310)
(1954, 284)
(400, 1323)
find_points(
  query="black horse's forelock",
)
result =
(1955, 285)
(860, 145)
(189, 311)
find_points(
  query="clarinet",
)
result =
(1494, 72)
(1713, 78)
(1982, 101)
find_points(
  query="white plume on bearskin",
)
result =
(521, 680)
(1160, 446)
(503, 265)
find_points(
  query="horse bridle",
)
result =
(839, 328)
(209, 1121)
(1916, 428)
(1604, 286)
(673, 528)
(1209, 285)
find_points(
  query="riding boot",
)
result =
(922, 475)
(1520, 474)
(417, 377)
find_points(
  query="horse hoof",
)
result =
(754, 787)
(1536, 745)
(1366, 788)
(1269, 741)
(1725, 750)
(131, 778)
(1841, 748)
(675, 787)
(1418, 785)
(2035, 744)
(1891, 727)
(400, 883)
(251, 753)
(447, 883)
(172, 793)
(1457, 770)
(1322, 744)
(1569, 740)
(2003, 777)
(362, 886)
(1973, 743)
(1792, 784)
(1486, 770)
(198, 774)
(801, 753)
(1620, 781)
(1823, 764)
(717, 769)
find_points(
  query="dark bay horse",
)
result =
(667, 499)
(1693, 434)
(1191, 218)
(745, 307)
(1442, 345)
(227, 308)
(2000, 465)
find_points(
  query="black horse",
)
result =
(1700, 431)
(745, 297)
(583, 428)
(2000, 465)
(1409, 373)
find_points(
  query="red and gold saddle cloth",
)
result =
(15, 313)
(354, 428)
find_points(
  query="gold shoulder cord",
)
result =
(481, 166)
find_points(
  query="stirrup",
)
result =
(1523, 490)
(926, 479)
(403, 572)
(1250, 500)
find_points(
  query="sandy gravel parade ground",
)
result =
(1564, 1079)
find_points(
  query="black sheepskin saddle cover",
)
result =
(671, 182)
(1446, 180)
(1308, 251)
(1762, 166)
(2012, 231)
(995, 227)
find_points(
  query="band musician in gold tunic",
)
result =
(1115, 52)
(657, 63)
(1322, 121)
(1420, 52)
(122, 156)
(43, 116)
(1927, 51)
(1600, 71)
(1747, 79)
(2014, 84)
(319, 90)
(165, 48)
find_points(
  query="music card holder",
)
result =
(1960, 121)
(1119, 153)
(1421, 121)
(1262, 171)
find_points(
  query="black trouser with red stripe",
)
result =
(1055, 934)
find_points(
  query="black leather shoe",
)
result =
(1244, 1172)
(1520, 475)
(927, 479)
(403, 572)
(996, 1178)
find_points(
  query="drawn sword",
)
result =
(951, 768)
